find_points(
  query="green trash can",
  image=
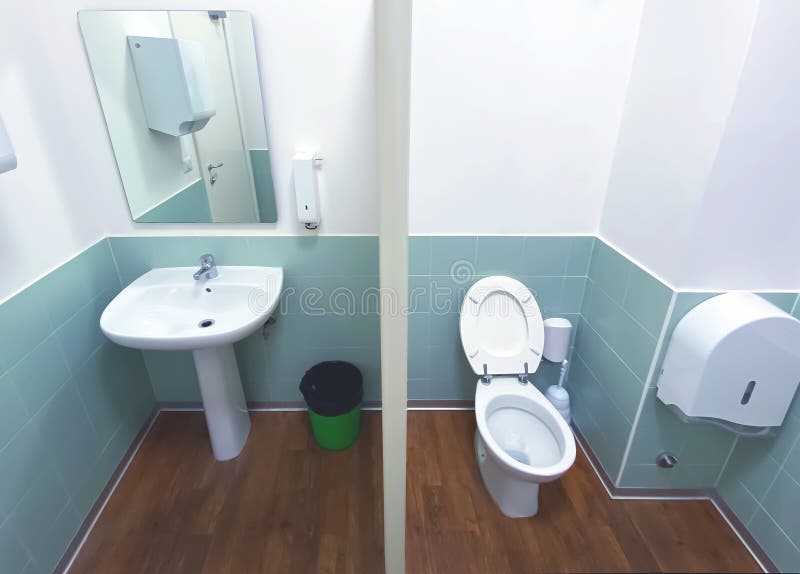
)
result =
(333, 391)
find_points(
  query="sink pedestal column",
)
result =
(223, 400)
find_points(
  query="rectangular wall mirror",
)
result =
(182, 101)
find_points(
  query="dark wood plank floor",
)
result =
(453, 525)
(285, 505)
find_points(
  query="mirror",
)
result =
(182, 101)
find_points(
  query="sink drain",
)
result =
(205, 323)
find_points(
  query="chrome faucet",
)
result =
(208, 268)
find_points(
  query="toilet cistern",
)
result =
(208, 268)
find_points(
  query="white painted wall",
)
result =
(747, 234)
(703, 190)
(682, 88)
(515, 108)
(49, 206)
(316, 61)
(150, 163)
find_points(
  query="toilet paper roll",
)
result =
(556, 339)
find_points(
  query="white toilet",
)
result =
(521, 440)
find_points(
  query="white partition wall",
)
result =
(393, 48)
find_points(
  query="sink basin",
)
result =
(168, 310)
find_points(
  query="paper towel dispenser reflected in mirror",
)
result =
(734, 360)
(182, 100)
(174, 83)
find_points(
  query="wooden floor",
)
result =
(453, 525)
(285, 505)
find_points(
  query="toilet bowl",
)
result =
(521, 440)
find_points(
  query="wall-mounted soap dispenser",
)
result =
(304, 177)
(8, 160)
(174, 84)
(734, 357)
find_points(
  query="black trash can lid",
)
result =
(332, 388)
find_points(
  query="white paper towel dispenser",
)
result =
(174, 84)
(734, 357)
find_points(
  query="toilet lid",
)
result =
(501, 327)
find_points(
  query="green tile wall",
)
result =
(329, 309)
(621, 317)
(761, 482)
(441, 270)
(188, 206)
(71, 404)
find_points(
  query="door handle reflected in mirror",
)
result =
(214, 166)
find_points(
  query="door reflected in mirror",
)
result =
(182, 101)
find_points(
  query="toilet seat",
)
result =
(501, 327)
(514, 419)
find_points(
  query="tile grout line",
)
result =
(623, 309)
(781, 464)
(653, 364)
(755, 498)
(603, 388)
(607, 344)
(738, 534)
(760, 506)
(54, 330)
(727, 460)
(114, 260)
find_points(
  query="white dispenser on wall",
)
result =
(304, 178)
(174, 84)
(8, 160)
(734, 357)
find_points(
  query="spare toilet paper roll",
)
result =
(556, 338)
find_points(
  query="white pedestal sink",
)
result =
(167, 310)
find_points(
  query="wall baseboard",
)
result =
(710, 494)
(440, 405)
(742, 533)
(88, 523)
(256, 406)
